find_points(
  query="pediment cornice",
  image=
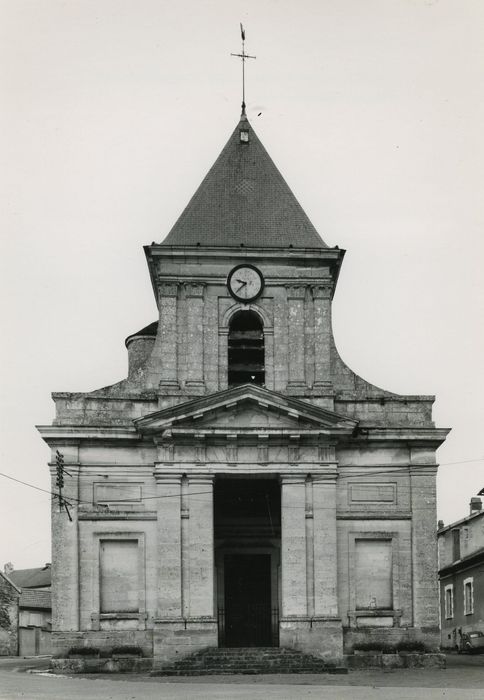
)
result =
(246, 409)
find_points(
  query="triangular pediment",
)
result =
(246, 409)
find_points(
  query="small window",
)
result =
(455, 544)
(244, 136)
(468, 596)
(449, 602)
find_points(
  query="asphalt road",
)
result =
(462, 680)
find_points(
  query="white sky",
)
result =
(113, 111)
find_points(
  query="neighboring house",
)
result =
(35, 610)
(242, 486)
(461, 575)
(9, 616)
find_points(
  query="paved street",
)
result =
(462, 680)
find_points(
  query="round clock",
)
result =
(245, 282)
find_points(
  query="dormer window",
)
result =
(244, 136)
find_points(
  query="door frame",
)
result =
(219, 578)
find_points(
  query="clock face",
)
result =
(245, 282)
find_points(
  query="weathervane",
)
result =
(243, 56)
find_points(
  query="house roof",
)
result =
(9, 581)
(33, 598)
(32, 578)
(244, 201)
(462, 521)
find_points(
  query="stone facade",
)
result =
(309, 474)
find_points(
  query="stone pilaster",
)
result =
(296, 351)
(194, 350)
(65, 553)
(169, 584)
(165, 350)
(322, 336)
(293, 546)
(325, 546)
(200, 546)
(424, 546)
(269, 357)
(223, 358)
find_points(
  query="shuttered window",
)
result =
(374, 580)
(119, 574)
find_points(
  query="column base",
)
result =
(169, 384)
(195, 386)
(320, 637)
(176, 638)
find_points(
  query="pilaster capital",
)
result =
(168, 289)
(201, 479)
(321, 291)
(296, 291)
(164, 477)
(423, 469)
(194, 289)
(293, 479)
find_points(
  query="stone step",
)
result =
(247, 661)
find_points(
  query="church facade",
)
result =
(242, 486)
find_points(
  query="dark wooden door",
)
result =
(248, 600)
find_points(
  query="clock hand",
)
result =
(242, 285)
(241, 282)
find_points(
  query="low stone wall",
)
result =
(399, 660)
(390, 636)
(104, 640)
(91, 664)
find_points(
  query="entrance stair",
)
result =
(252, 660)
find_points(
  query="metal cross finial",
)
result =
(243, 56)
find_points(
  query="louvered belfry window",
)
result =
(246, 350)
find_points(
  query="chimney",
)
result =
(475, 505)
(8, 568)
(440, 525)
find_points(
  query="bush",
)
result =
(412, 646)
(128, 649)
(378, 647)
(386, 648)
(83, 651)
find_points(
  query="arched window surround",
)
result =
(224, 327)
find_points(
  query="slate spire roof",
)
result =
(244, 200)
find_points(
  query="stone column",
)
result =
(194, 350)
(293, 546)
(296, 357)
(322, 336)
(168, 531)
(165, 350)
(325, 546)
(200, 546)
(424, 543)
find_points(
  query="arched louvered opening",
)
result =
(246, 350)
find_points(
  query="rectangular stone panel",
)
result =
(116, 493)
(374, 576)
(119, 580)
(372, 493)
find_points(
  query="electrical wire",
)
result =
(388, 471)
